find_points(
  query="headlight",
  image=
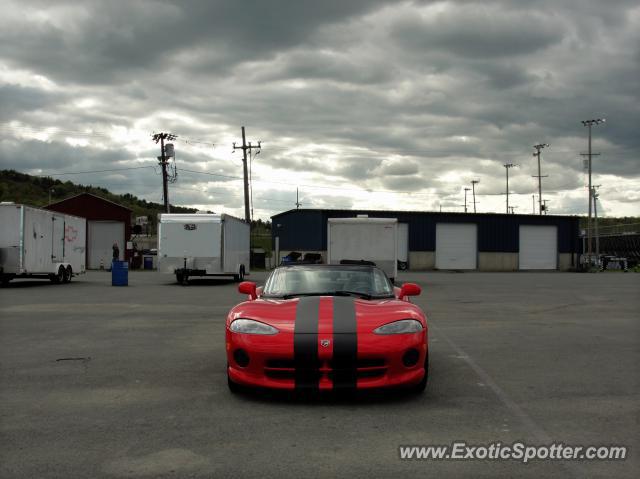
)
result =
(404, 326)
(249, 326)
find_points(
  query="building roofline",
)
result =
(95, 196)
(409, 212)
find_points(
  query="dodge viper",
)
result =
(327, 327)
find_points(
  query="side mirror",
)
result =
(409, 289)
(248, 287)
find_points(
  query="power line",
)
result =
(95, 171)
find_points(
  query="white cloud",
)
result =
(393, 105)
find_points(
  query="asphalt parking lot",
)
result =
(101, 381)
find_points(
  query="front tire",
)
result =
(422, 385)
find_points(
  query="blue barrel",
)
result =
(148, 262)
(119, 273)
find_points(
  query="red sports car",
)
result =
(327, 327)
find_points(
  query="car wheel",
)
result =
(179, 277)
(68, 274)
(422, 385)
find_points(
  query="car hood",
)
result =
(335, 314)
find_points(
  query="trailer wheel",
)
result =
(240, 276)
(58, 278)
(68, 274)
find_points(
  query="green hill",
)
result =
(34, 191)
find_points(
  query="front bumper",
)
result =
(381, 361)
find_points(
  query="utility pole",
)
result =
(507, 166)
(589, 124)
(297, 200)
(595, 196)
(544, 203)
(473, 188)
(244, 148)
(160, 137)
(539, 175)
(465, 198)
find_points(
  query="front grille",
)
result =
(282, 368)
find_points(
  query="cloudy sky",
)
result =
(358, 103)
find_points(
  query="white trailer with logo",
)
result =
(366, 239)
(203, 245)
(37, 243)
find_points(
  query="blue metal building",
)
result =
(483, 241)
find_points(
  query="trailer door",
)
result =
(57, 238)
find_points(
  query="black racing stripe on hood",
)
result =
(345, 343)
(305, 343)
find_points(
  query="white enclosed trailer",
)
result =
(40, 243)
(364, 238)
(203, 245)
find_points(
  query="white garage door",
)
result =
(102, 235)
(538, 247)
(456, 245)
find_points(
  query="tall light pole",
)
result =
(507, 166)
(539, 147)
(473, 188)
(595, 220)
(589, 124)
(465, 198)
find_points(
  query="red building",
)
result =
(107, 223)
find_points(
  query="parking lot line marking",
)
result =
(533, 429)
(538, 433)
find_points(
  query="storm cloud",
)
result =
(357, 103)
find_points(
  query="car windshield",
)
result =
(366, 282)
